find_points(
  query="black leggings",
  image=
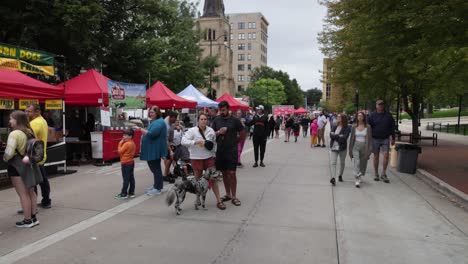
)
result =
(259, 143)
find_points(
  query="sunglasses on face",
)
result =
(380, 104)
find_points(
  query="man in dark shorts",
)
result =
(227, 130)
(383, 126)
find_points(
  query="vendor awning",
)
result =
(163, 97)
(16, 85)
(234, 104)
(192, 93)
(87, 89)
(301, 110)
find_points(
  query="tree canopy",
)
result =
(267, 92)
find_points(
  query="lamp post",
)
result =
(210, 90)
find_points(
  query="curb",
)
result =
(453, 193)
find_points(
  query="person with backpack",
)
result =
(22, 169)
(41, 130)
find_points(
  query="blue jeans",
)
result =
(128, 179)
(155, 167)
(45, 187)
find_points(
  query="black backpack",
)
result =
(35, 150)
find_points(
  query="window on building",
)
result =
(249, 57)
(240, 78)
(249, 67)
(241, 36)
(241, 46)
(254, 35)
(241, 67)
(241, 57)
(248, 78)
(249, 36)
(240, 88)
(232, 36)
(249, 46)
(241, 25)
(328, 91)
(232, 46)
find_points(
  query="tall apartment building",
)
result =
(331, 93)
(249, 43)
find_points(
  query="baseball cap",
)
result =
(260, 107)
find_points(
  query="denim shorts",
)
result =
(380, 144)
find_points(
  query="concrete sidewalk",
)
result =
(289, 214)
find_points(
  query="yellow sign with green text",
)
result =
(23, 103)
(53, 104)
(26, 60)
(7, 104)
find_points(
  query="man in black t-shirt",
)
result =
(260, 134)
(227, 130)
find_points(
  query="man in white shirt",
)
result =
(322, 122)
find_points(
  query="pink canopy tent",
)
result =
(301, 111)
(87, 89)
(234, 105)
(16, 85)
(163, 97)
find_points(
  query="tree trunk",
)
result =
(415, 109)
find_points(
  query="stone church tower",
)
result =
(216, 42)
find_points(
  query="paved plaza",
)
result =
(289, 214)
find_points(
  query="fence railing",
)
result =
(448, 128)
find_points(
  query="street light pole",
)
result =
(210, 90)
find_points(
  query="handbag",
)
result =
(209, 145)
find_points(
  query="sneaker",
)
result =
(385, 178)
(35, 221)
(332, 181)
(131, 195)
(358, 182)
(255, 165)
(153, 192)
(45, 206)
(149, 188)
(26, 223)
(323, 146)
(340, 178)
(262, 164)
(121, 196)
(376, 177)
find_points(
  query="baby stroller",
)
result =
(182, 166)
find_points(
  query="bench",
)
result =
(420, 137)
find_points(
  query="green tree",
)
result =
(390, 48)
(267, 92)
(313, 96)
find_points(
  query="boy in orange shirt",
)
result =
(127, 152)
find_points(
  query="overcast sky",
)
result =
(292, 35)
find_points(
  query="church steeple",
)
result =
(213, 8)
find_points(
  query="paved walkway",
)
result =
(449, 160)
(289, 214)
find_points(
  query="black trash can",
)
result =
(407, 157)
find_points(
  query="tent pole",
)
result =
(64, 134)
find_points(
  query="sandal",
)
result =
(221, 206)
(236, 202)
(225, 198)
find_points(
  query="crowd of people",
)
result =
(215, 143)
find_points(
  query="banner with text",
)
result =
(53, 104)
(7, 104)
(26, 60)
(23, 103)
(282, 110)
(126, 95)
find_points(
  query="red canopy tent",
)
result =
(86, 89)
(234, 105)
(16, 85)
(301, 110)
(163, 97)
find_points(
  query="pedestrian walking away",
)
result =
(260, 135)
(338, 144)
(383, 127)
(296, 129)
(288, 127)
(305, 125)
(360, 147)
(126, 149)
(201, 143)
(313, 133)
(271, 126)
(277, 126)
(23, 172)
(154, 147)
(322, 122)
(41, 130)
(227, 130)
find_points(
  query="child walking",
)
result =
(127, 152)
(313, 133)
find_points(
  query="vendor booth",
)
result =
(163, 97)
(89, 92)
(300, 111)
(193, 94)
(234, 104)
(17, 90)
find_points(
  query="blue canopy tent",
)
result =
(193, 94)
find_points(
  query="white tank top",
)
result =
(361, 135)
